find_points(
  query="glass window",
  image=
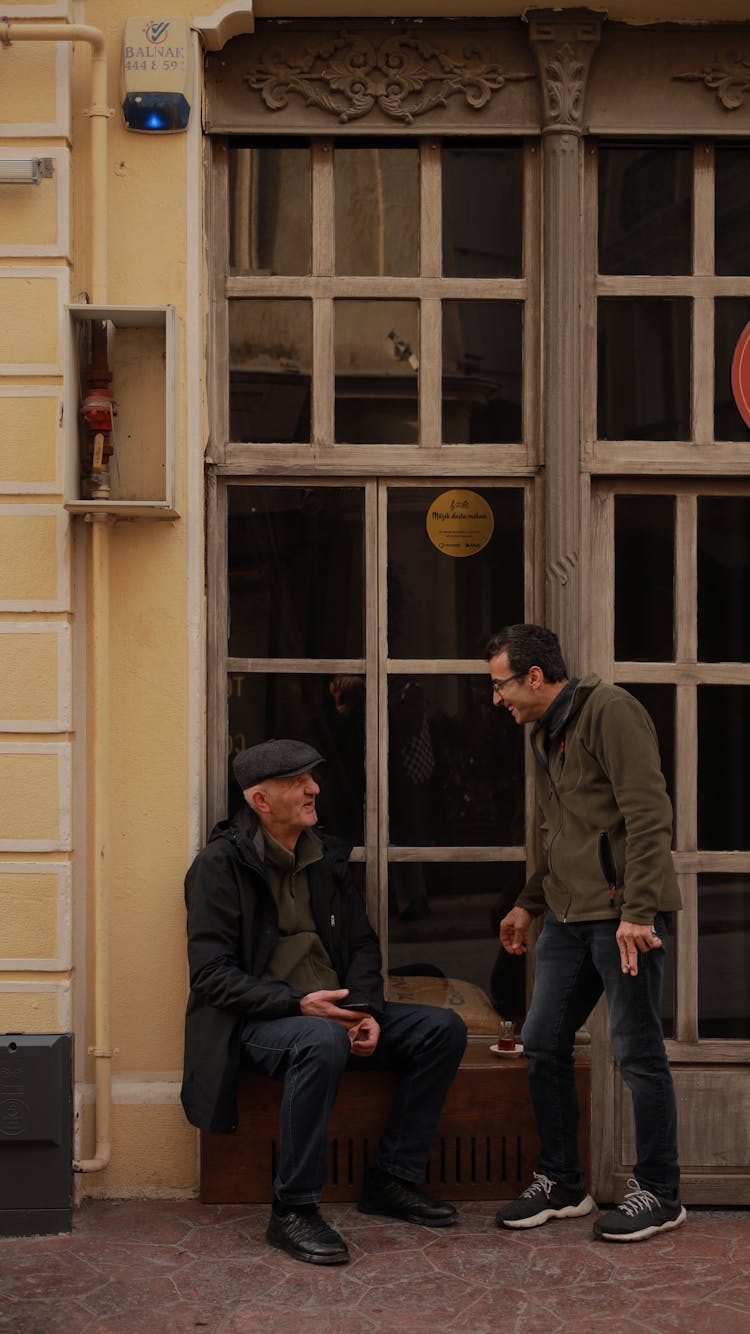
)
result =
(377, 364)
(723, 767)
(731, 314)
(659, 703)
(644, 368)
(455, 764)
(482, 372)
(475, 594)
(270, 360)
(645, 205)
(296, 572)
(377, 210)
(732, 206)
(644, 578)
(724, 579)
(482, 209)
(723, 953)
(328, 712)
(269, 209)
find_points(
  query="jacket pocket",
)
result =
(608, 865)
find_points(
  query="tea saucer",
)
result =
(517, 1050)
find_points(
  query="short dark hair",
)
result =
(529, 646)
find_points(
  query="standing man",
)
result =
(285, 977)
(606, 886)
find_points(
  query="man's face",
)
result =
(519, 695)
(291, 803)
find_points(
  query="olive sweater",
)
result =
(605, 809)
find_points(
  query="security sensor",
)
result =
(156, 74)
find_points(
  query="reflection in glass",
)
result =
(446, 945)
(474, 594)
(723, 767)
(644, 578)
(723, 579)
(482, 372)
(377, 362)
(643, 352)
(269, 209)
(731, 314)
(482, 209)
(308, 708)
(723, 952)
(455, 764)
(377, 209)
(645, 205)
(270, 359)
(659, 702)
(296, 572)
(732, 206)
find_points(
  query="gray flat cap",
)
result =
(274, 759)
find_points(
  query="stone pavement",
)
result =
(177, 1266)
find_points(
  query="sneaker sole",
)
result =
(308, 1259)
(645, 1232)
(408, 1218)
(570, 1211)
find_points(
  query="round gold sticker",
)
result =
(460, 523)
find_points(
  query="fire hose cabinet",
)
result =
(36, 1134)
(119, 411)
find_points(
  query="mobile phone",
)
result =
(363, 1005)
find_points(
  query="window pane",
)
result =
(296, 572)
(723, 767)
(475, 594)
(264, 705)
(443, 939)
(455, 764)
(377, 210)
(723, 579)
(377, 361)
(732, 206)
(659, 702)
(644, 578)
(482, 210)
(645, 197)
(482, 371)
(269, 209)
(644, 368)
(723, 953)
(270, 358)
(731, 314)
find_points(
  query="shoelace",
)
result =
(637, 1201)
(539, 1185)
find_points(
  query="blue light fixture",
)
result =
(159, 112)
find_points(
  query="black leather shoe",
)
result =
(400, 1199)
(307, 1237)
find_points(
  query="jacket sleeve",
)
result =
(629, 754)
(532, 895)
(214, 928)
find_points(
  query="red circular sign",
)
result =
(741, 374)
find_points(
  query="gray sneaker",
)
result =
(542, 1200)
(640, 1215)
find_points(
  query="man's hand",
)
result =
(363, 1037)
(514, 930)
(633, 939)
(323, 1004)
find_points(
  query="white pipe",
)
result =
(99, 113)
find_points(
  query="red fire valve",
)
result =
(97, 411)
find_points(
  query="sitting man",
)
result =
(285, 979)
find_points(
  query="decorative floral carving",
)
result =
(564, 75)
(403, 76)
(730, 80)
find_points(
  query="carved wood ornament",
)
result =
(730, 80)
(403, 76)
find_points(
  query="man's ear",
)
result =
(257, 799)
(536, 677)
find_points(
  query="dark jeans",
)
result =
(422, 1043)
(574, 964)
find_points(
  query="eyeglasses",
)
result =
(497, 686)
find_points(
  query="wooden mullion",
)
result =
(703, 208)
(300, 666)
(217, 246)
(372, 707)
(686, 579)
(686, 962)
(456, 853)
(322, 209)
(532, 254)
(601, 557)
(374, 287)
(323, 375)
(383, 741)
(430, 374)
(216, 650)
(430, 210)
(702, 378)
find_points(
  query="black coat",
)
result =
(232, 930)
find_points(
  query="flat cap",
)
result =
(274, 759)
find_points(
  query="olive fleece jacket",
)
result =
(602, 790)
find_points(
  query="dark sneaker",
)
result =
(640, 1215)
(306, 1236)
(542, 1200)
(400, 1199)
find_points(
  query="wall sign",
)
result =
(460, 523)
(741, 374)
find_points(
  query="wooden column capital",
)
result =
(563, 44)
